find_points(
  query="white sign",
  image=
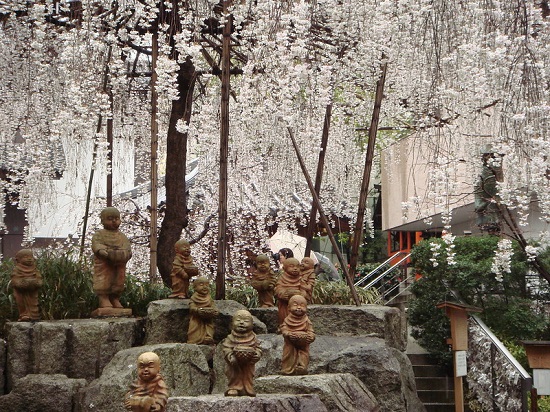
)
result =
(541, 381)
(461, 367)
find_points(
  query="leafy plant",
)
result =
(506, 304)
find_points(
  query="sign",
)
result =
(461, 367)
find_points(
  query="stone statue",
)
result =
(183, 269)
(486, 194)
(298, 333)
(264, 280)
(26, 282)
(112, 250)
(149, 393)
(202, 311)
(307, 278)
(241, 351)
(288, 285)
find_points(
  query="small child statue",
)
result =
(241, 351)
(264, 280)
(183, 269)
(288, 285)
(26, 282)
(202, 311)
(307, 275)
(298, 333)
(149, 393)
(112, 250)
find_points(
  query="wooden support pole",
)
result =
(153, 241)
(318, 178)
(324, 220)
(224, 150)
(358, 232)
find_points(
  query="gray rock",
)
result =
(261, 403)
(42, 393)
(3, 360)
(339, 392)
(184, 369)
(386, 372)
(77, 348)
(168, 320)
(348, 320)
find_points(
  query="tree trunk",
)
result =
(175, 217)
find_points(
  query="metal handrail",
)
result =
(372, 282)
(379, 267)
(404, 281)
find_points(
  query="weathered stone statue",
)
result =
(26, 282)
(486, 194)
(288, 285)
(298, 334)
(241, 351)
(308, 277)
(264, 280)
(183, 269)
(202, 311)
(149, 393)
(112, 250)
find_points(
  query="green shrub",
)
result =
(506, 305)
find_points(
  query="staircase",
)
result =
(434, 385)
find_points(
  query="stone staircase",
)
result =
(434, 384)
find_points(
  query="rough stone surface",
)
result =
(339, 392)
(168, 320)
(184, 368)
(386, 372)
(78, 348)
(3, 360)
(42, 393)
(261, 403)
(348, 320)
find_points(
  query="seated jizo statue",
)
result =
(149, 393)
(26, 282)
(112, 250)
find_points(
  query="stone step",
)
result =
(434, 383)
(435, 396)
(429, 371)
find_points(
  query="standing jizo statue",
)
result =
(241, 351)
(297, 331)
(183, 269)
(112, 250)
(264, 280)
(149, 393)
(288, 285)
(26, 282)
(202, 312)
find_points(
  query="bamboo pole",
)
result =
(94, 158)
(324, 220)
(153, 241)
(358, 232)
(224, 149)
(318, 178)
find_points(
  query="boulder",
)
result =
(339, 392)
(348, 320)
(184, 368)
(42, 393)
(261, 403)
(168, 320)
(386, 372)
(78, 348)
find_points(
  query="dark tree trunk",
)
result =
(175, 217)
